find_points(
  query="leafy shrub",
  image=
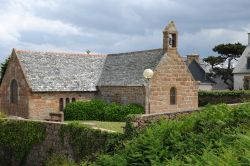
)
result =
(115, 160)
(60, 160)
(235, 93)
(2, 115)
(114, 112)
(85, 110)
(223, 96)
(117, 112)
(100, 110)
(208, 137)
(134, 109)
(16, 139)
(130, 130)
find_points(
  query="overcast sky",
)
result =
(112, 26)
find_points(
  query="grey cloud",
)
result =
(117, 26)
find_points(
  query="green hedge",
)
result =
(217, 135)
(16, 140)
(235, 93)
(100, 110)
(223, 96)
(87, 142)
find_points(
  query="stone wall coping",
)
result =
(170, 113)
(58, 123)
(33, 120)
(178, 112)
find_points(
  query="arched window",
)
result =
(61, 104)
(13, 91)
(67, 101)
(73, 99)
(173, 96)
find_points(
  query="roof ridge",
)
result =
(54, 52)
(131, 52)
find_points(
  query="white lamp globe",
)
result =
(148, 73)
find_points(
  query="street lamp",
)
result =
(148, 74)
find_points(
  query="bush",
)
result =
(117, 112)
(223, 96)
(85, 110)
(235, 93)
(134, 109)
(60, 160)
(208, 137)
(100, 110)
(2, 115)
(114, 112)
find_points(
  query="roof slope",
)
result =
(199, 73)
(61, 71)
(126, 69)
(241, 66)
(202, 64)
(48, 71)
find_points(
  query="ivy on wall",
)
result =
(17, 138)
(87, 142)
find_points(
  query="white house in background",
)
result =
(241, 71)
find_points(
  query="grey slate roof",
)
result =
(61, 71)
(202, 64)
(199, 73)
(126, 69)
(241, 66)
(47, 71)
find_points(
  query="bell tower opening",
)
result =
(172, 40)
(170, 37)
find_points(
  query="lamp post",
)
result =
(148, 74)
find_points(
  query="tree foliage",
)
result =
(3, 68)
(88, 51)
(227, 53)
(214, 60)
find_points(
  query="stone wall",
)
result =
(140, 122)
(60, 140)
(32, 105)
(14, 72)
(52, 144)
(122, 94)
(41, 104)
(173, 72)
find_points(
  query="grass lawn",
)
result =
(113, 126)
